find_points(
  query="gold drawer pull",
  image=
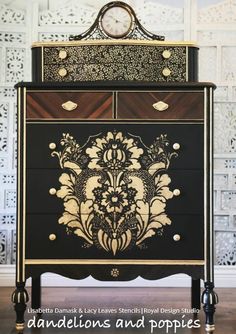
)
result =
(176, 192)
(62, 72)
(166, 72)
(69, 106)
(52, 237)
(52, 146)
(176, 237)
(160, 106)
(52, 191)
(176, 146)
(166, 54)
(62, 54)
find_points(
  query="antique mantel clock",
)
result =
(115, 161)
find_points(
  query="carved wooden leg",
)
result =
(196, 294)
(36, 292)
(209, 299)
(20, 298)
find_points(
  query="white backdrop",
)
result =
(211, 23)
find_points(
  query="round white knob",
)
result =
(176, 237)
(166, 72)
(52, 237)
(52, 191)
(62, 54)
(166, 54)
(62, 72)
(176, 192)
(52, 146)
(176, 146)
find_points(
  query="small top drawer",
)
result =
(161, 105)
(61, 104)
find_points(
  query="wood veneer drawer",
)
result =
(43, 104)
(160, 105)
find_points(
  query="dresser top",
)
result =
(116, 85)
(114, 42)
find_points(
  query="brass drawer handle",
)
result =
(166, 72)
(176, 192)
(69, 106)
(52, 191)
(52, 237)
(62, 72)
(166, 54)
(160, 106)
(176, 146)
(176, 237)
(62, 54)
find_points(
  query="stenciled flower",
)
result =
(114, 152)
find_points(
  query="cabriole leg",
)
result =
(209, 299)
(20, 298)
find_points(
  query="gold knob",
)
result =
(62, 72)
(52, 146)
(176, 237)
(52, 237)
(176, 146)
(166, 54)
(52, 191)
(69, 106)
(62, 54)
(160, 106)
(166, 72)
(176, 192)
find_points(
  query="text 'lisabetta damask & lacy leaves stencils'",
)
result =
(114, 189)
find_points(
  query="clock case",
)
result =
(95, 56)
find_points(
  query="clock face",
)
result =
(116, 22)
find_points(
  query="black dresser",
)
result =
(115, 181)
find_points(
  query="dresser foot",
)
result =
(209, 299)
(20, 298)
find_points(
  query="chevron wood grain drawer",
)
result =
(114, 188)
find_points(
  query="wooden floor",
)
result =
(116, 298)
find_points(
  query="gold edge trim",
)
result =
(24, 179)
(211, 187)
(114, 42)
(18, 182)
(151, 121)
(42, 64)
(200, 90)
(205, 179)
(187, 76)
(112, 262)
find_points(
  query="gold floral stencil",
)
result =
(114, 189)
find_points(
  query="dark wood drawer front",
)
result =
(70, 246)
(160, 105)
(67, 105)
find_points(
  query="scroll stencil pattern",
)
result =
(114, 189)
(216, 35)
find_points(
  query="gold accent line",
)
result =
(42, 64)
(117, 90)
(211, 186)
(112, 262)
(24, 180)
(113, 42)
(18, 181)
(187, 63)
(205, 180)
(115, 121)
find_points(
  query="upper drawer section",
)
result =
(120, 60)
(160, 105)
(61, 104)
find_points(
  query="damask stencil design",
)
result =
(3, 247)
(114, 189)
(15, 64)
(11, 16)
